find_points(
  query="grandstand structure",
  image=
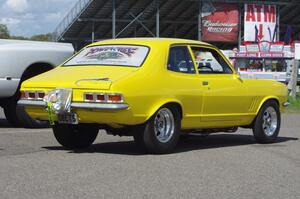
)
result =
(94, 20)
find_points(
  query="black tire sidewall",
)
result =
(18, 117)
(258, 131)
(75, 136)
(151, 142)
(10, 112)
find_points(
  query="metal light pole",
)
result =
(199, 20)
(113, 19)
(294, 75)
(157, 18)
(294, 78)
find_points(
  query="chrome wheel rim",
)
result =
(269, 121)
(164, 125)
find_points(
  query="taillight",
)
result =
(32, 95)
(41, 95)
(100, 97)
(22, 95)
(115, 98)
(89, 97)
(103, 97)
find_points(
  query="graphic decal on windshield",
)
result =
(123, 55)
(110, 52)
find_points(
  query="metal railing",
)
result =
(70, 18)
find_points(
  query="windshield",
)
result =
(112, 55)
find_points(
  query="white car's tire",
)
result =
(17, 116)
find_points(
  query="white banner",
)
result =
(260, 22)
(297, 51)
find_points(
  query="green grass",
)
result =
(294, 106)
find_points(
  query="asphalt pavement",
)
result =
(33, 165)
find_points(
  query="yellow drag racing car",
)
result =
(153, 89)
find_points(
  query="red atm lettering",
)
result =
(269, 13)
(250, 15)
(258, 12)
(254, 13)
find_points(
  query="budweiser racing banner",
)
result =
(260, 23)
(220, 22)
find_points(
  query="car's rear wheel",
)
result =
(75, 136)
(267, 123)
(161, 132)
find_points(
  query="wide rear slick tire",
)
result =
(161, 133)
(75, 136)
(267, 123)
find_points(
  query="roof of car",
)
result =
(149, 41)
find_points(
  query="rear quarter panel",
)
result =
(143, 90)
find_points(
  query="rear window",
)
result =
(111, 55)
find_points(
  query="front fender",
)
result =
(266, 99)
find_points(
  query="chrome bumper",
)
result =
(105, 106)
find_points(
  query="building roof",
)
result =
(137, 18)
(149, 41)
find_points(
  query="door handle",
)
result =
(205, 83)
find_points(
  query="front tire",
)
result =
(75, 136)
(267, 123)
(161, 133)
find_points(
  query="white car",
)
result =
(21, 60)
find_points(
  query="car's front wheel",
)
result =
(75, 136)
(161, 132)
(267, 123)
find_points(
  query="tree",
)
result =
(4, 32)
(18, 37)
(42, 37)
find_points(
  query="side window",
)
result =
(180, 60)
(210, 61)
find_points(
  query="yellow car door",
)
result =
(184, 82)
(225, 96)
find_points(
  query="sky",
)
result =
(32, 17)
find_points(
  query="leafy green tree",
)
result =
(18, 37)
(4, 32)
(42, 37)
